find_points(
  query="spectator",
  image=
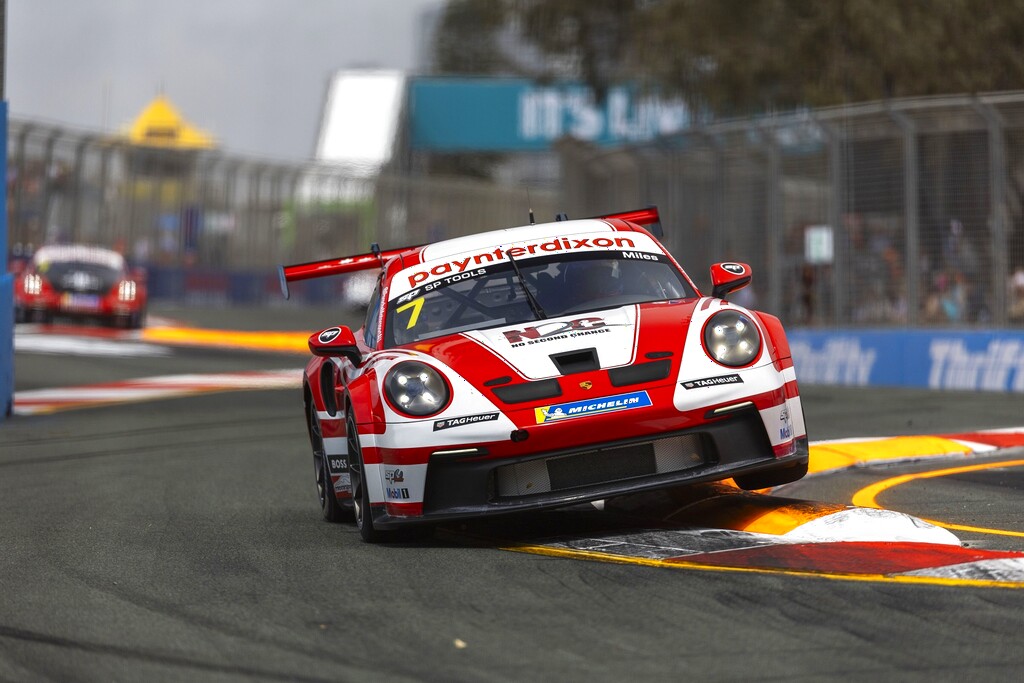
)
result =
(1015, 300)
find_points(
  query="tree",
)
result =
(733, 57)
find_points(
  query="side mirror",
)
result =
(335, 341)
(728, 277)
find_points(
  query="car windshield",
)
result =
(81, 275)
(559, 285)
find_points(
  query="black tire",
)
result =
(360, 493)
(330, 507)
(771, 478)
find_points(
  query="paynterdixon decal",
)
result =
(450, 422)
(499, 254)
(593, 406)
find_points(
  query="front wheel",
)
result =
(357, 479)
(329, 506)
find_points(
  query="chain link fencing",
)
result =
(901, 213)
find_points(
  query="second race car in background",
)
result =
(543, 366)
(80, 282)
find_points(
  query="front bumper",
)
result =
(475, 485)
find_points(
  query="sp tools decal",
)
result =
(712, 381)
(608, 404)
(450, 422)
(327, 336)
(395, 476)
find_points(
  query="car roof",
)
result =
(62, 253)
(494, 238)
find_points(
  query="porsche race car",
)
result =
(80, 282)
(541, 366)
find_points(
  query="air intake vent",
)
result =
(640, 372)
(529, 391)
(584, 360)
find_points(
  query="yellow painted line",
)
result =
(867, 496)
(683, 564)
(833, 456)
(263, 341)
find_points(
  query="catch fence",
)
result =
(906, 212)
(891, 214)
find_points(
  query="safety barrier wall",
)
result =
(927, 359)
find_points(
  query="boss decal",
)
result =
(556, 330)
(327, 336)
(734, 268)
(712, 381)
(450, 422)
(338, 464)
(608, 404)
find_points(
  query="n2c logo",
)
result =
(553, 329)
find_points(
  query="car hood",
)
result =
(573, 343)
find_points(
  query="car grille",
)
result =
(603, 466)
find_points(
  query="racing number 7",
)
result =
(416, 305)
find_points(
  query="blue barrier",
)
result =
(7, 342)
(6, 286)
(930, 359)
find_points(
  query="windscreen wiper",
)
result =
(534, 304)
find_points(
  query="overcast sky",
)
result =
(251, 72)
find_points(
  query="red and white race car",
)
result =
(542, 366)
(80, 281)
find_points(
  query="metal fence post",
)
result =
(773, 197)
(998, 175)
(910, 213)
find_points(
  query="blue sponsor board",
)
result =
(518, 115)
(932, 359)
(593, 406)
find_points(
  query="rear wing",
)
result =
(648, 217)
(376, 258)
(335, 266)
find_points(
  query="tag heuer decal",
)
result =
(712, 381)
(450, 422)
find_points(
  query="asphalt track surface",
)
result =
(180, 540)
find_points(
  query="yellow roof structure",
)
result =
(161, 125)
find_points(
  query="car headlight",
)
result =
(731, 338)
(416, 389)
(33, 284)
(126, 290)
